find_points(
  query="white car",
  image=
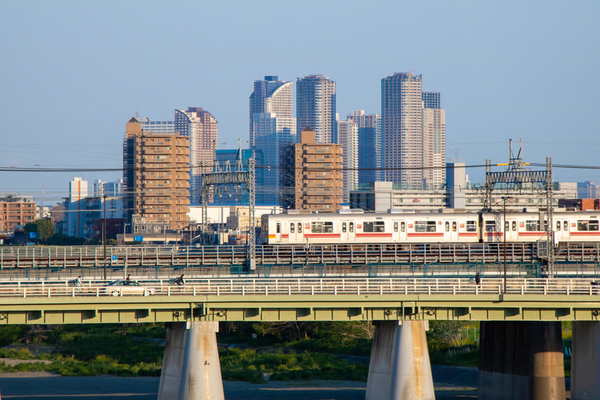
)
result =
(123, 287)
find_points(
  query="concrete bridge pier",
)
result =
(521, 360)
(191, 368)
(585, 361)
(400, 367)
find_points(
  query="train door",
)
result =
(278, 227)
(561, 230)
(347, 231)
(510, 230)
(296, 235)
(451, 230)
(399, 230)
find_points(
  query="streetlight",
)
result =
(104, 234)
(124, 233)
(505, 229)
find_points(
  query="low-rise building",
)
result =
(457, 193)
(15, 211)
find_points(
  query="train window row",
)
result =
(431, 226)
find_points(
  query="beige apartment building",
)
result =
(312, 175)
(156, 177)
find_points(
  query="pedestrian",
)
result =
(128, 275)
(179, 280)
(78, 281)
(477, 279)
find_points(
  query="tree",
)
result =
(43, 227)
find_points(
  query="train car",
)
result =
(411, 227)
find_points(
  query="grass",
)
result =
(89, 350)
(102, 349)
(249, 365)
(465, 356)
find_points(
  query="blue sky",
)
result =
(73, 72)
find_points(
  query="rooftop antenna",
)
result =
(216, 167)
(238, 159)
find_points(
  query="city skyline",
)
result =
(487, 60)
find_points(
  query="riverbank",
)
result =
(451, 383)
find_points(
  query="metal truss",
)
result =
(517, 174)
(238, 179)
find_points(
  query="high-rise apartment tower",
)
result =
(413, 134)
(434, 139)
(315, 107)
(272, 128)
(202, 130)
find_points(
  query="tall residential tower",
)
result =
(413, 131)
(272, 128)
(315, 107)
(202, 130)
(434, 139)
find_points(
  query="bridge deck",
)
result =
(324, 299)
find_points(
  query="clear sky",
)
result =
(73, 72)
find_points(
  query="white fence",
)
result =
(304, 287)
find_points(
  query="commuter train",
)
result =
(355, 226)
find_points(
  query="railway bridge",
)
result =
(520, 350)
(443, 259)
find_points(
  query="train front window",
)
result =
(471, 226)
(321, 227)
(375, 226)
(424, 226)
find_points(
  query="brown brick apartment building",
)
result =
(312, 175)
(156, 176)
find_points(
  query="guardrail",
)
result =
(317, 254)
(310, 286)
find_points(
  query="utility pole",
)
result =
(504, 233)
(104, 235)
